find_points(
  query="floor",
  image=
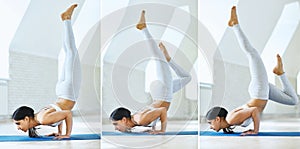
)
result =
(290, 124)
(80, 126)
(154, 142)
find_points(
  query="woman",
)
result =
(67, 90)
(259, 89)
(161, 90)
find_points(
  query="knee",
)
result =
(295, 101)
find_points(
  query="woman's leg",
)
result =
(162, 88)
(184, 77)
(258, 87)
(287, 95)
(70, 76)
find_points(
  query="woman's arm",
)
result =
(238, 116)
(163, 119)
(255, 114)
(53, 117)
(59, 128)
(152, 115)
(59, 132)
(69, 123)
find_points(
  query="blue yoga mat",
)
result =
(108, 133)
(44, 138)
(279, 134)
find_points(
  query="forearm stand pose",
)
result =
(161, 89)
(67, 90)
(259, 89)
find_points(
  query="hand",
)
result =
(61, 137)
(147, 130)
(249, 132)
(155, 132)
(54, 134)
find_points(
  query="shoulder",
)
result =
(237, 116)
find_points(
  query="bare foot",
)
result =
(233, 18)
(164, 50)
(142, 22)
(68, 13)
(279, 67)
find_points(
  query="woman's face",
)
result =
(121, 125)
(22, 124)
(215, 124)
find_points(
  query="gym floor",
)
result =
(154, 142)
(80, 126)
(274, 124)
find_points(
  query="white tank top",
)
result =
(247, 122)
(57, 108)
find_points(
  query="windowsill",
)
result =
(205, 85)
(5, 79)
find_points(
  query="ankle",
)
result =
(141, 26)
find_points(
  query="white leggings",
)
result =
(164, 87)
(259, 87)
(69, 78)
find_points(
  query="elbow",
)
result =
(69, 114)
(164, 109)
(255, 111)
(295, 102)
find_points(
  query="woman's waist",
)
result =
(259, 103)
(160, 103)
(65, 104)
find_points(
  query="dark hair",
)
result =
(20, 114)
(219, 112)
(119, 113)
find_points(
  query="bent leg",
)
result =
(161, 88)
(184, 77)
(285, 96)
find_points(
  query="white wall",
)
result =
(33, 81)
